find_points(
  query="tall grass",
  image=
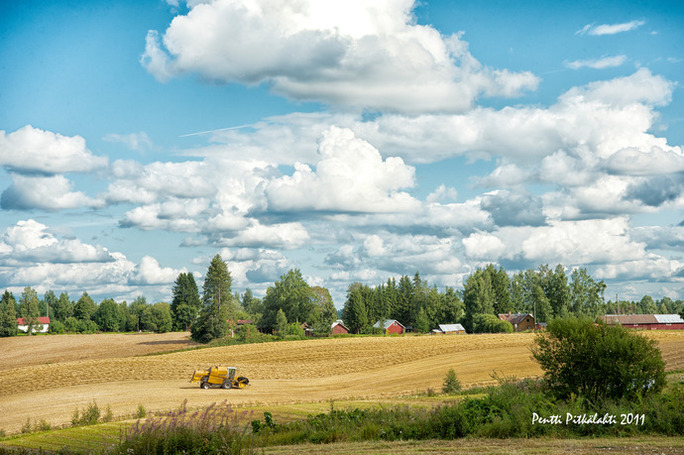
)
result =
(216, 430)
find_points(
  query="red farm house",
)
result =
(390, 326)
(338, 328)
(646, 321)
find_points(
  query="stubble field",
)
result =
(48, 377)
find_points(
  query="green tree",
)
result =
(85, 308)
(107, 316)
(595, 361)
(217, 303)
(323, 313)
(478, 297)
(49, 303)
(63, 308)
(422, 321)
(586, 294)
(136, 310)
(354, 312)
(281, 326)
(186, 303)
(292, 295)
(157, 318)
(8, 315)
(28, 305)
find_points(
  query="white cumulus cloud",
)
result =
(358, 53)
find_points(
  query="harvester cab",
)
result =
(220, 376)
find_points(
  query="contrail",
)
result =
(220, 129)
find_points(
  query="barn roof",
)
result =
(387, 323)
(451, 328)
(339, 322)
(515, 318)
(643, 319)
(41, 320)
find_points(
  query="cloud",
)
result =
(31, 150)
(598, 64)
(610, 29)
(598, 241)
(149, 272)
(31, 254)
(351, 176)
(139, 142)
(511, 209)
(354, 53)
(46, 193)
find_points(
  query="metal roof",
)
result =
(669, 318)
(451, 328)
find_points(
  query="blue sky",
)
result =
(353, 140)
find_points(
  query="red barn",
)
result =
(338, 328)
(390, 326)
(646, 321)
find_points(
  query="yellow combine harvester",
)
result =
(219, 376)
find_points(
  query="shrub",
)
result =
(451, 383)
(598, 362)
(90, 415)
(489, 323)
(57, 327)
(216, 430)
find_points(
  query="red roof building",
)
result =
(646, 321)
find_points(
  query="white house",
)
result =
(42, 325)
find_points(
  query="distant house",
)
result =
(520, 321)
(43, 321)
(646, 321)
(449, 329)
(390, 326)
(338, 328)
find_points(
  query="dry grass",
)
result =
(284, 372)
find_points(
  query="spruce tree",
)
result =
(216, 303)
(186, 301)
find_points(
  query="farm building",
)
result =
(520, 321)
(42, 326)
(646, 321)
(449, 329)
(338, 328)
(390, 326)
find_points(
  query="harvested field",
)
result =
(24, 351)
(283, 372)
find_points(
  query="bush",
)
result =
(489, 323)
(451, 383)
(598, 362)
(57, 327)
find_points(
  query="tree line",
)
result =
(291, 303)
(489, 291)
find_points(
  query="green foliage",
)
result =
(88, 416)
(598, 362)
(217, 303)
(107, 316)
(451, 385)
(186, 302)
(216, 430)
(489, 323)
(354, 313)
(57, 327)
(85, 307)
(8, 315)
(281, 326)
(141, 412)
(292, 295)
(28, 307)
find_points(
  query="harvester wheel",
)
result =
(226, 384)
(205, 385)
